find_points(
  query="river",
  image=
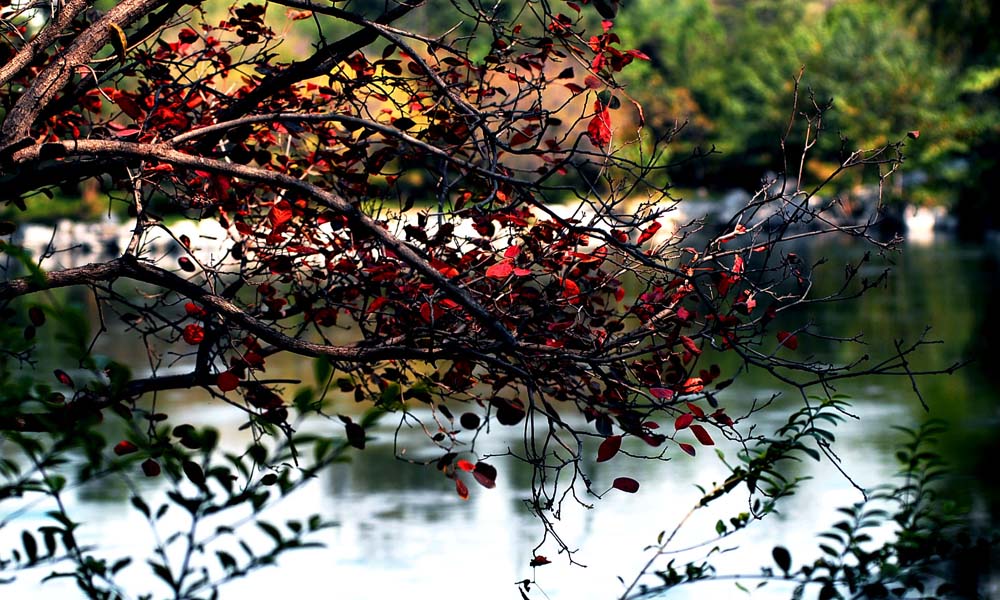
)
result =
(403, 532)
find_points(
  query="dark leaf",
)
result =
(782, 558)
(194, 472)
(125, 447)
(538, 561)
(485, 474)
(608, 448)
(150, 467)
(702, 435)
(788, 340)
(355, 435)
(626, 484)
(469, 420)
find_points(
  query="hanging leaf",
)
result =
(626, 484)
(118, 41)
(599, 129)
(661, 393)
(571, 290)
(538, 561)
(465, 465)
(355, 435)
(690, 346)
(782, 558)
(403, 123)
(486, 475)
(788, 340)
(125, 447)
(463, 491)
(509, 412)
(37, 316)
(608, 448)
(150, 467)
(688, 448)
(683, 421)
(500, 270)
(227, 381)
(702, 435)
(694, 408)
(194, 472)
(194, 334)
(63, 378)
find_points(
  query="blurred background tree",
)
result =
(887, 67)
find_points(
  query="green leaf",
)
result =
(322, 370)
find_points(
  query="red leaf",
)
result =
(688, 448)
(465, 465)
(194, 334)
(693, 386)
(500, 270)
(702, 435)
(463, 491)
(661, 393)
(626, 484)
(36, 316)
(571, 290)
(738, 265)
(638, 54)
(695, 409)
(186, 264)
(150, 467)
(538, 561)
(63, 378)
(913, 134)
(683, 421)
(609, 447)
(690, 346)
(486, 475)
(227, 381)
(125, 447)
(512, 252)
(648, 232)
(599, 129)
(788, 340)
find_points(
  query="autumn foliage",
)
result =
(467, 230)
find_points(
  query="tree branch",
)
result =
(161, 153)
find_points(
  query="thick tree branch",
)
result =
(47, 84)
(43, 40)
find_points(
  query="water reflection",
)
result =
(404, 532)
